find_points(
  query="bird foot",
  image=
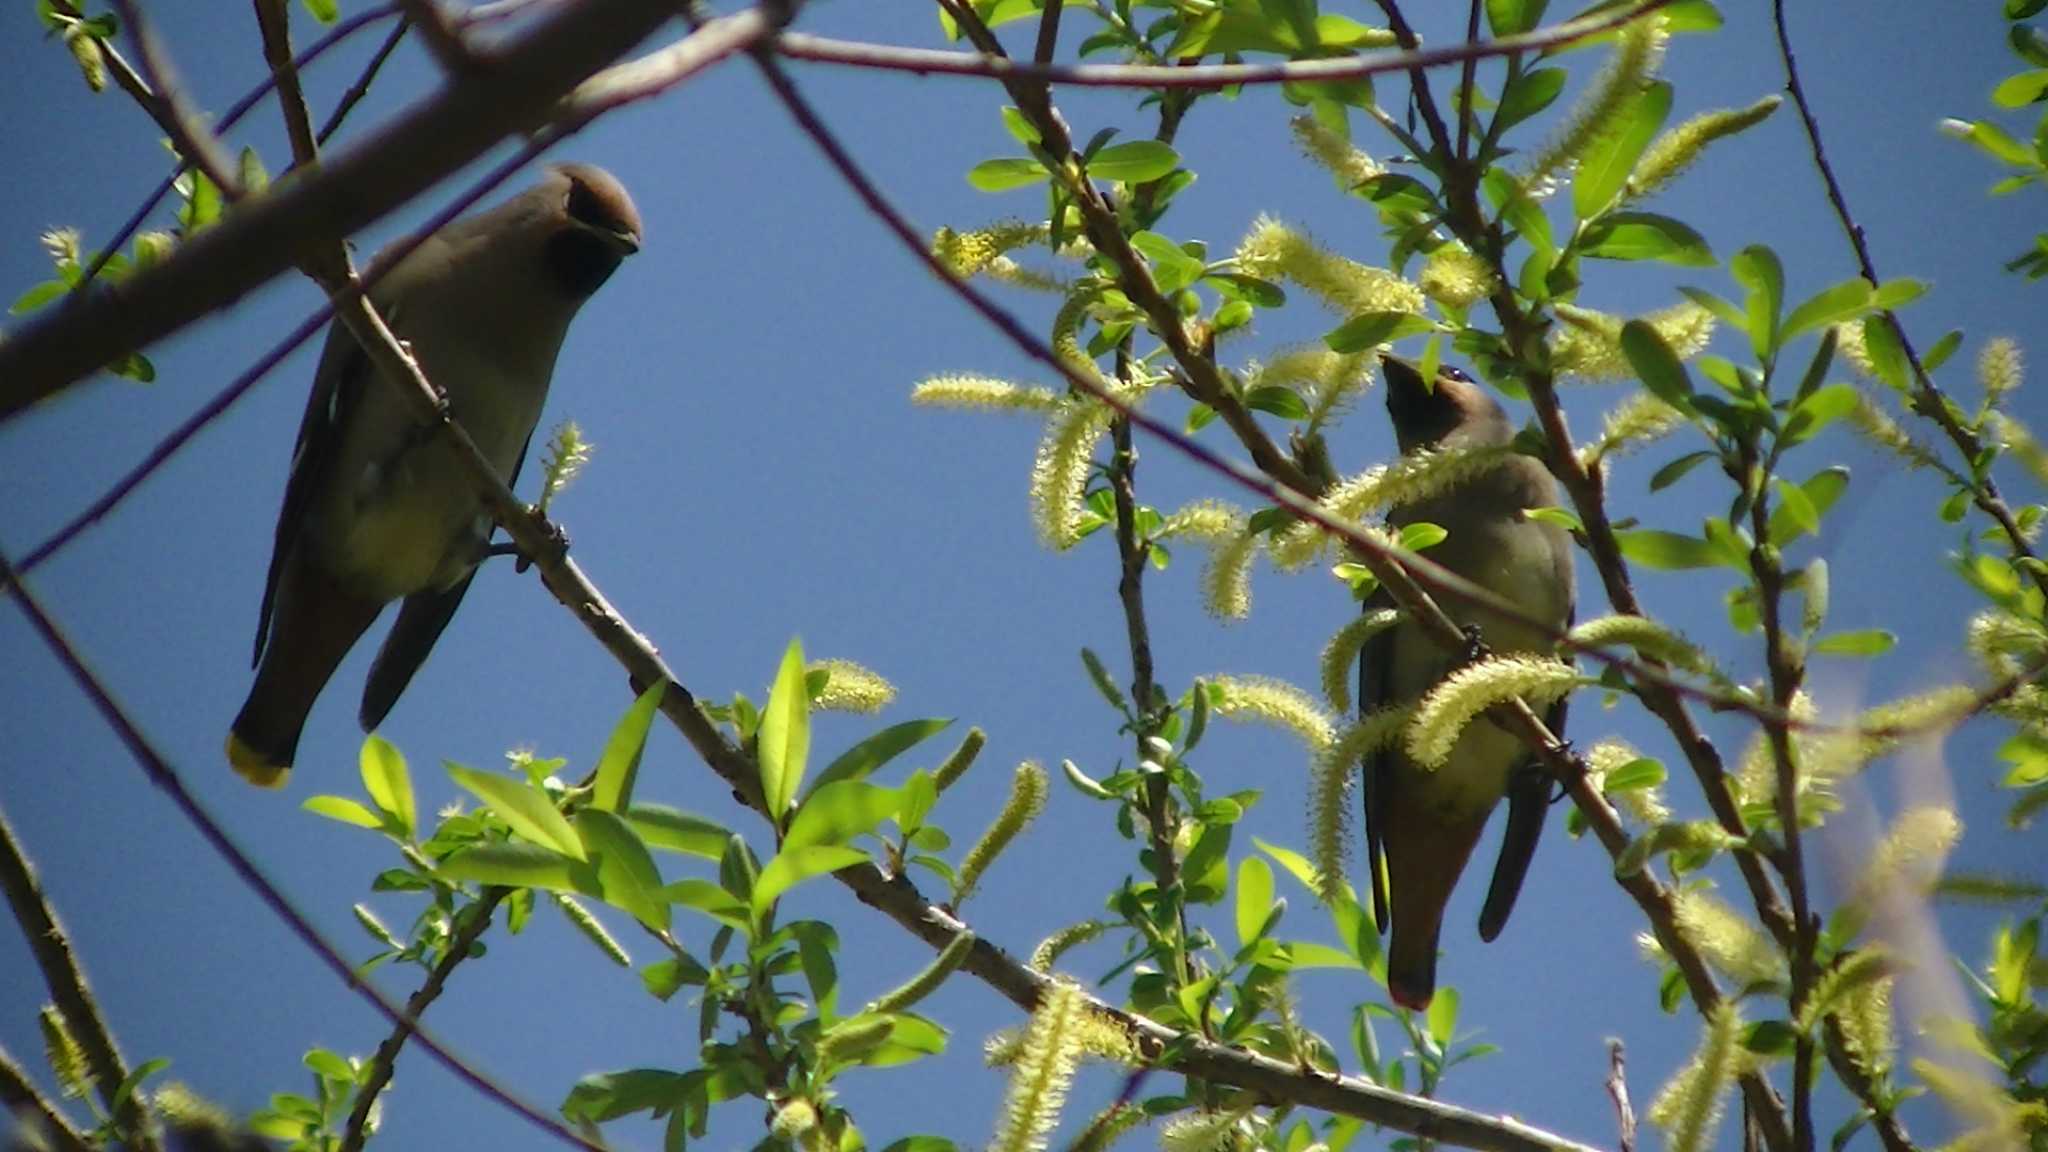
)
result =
(555, 546)
(1475, 644)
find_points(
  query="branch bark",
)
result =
(64, 976)
(518, 90)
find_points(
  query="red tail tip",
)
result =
(1408, 998)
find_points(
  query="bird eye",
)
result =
(1455, 374)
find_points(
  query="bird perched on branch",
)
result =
(1422, 822)
(377, 507)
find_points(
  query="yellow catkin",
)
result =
(1050, 1052)
(1453, 704)
(1586, 345)
(1272, 250)
(1670, 154)
(982, 392)
(851, 688)
(1333, 152)
(1689, 1106)
(1277, 703)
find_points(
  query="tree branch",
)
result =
(518, 91)
(1210, 77)
(160, 773)
(194, 142)
(65, 978)
(27, 1104)
(1928, 401)
(476, 922)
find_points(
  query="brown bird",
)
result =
(1424, 823)
(377, 508)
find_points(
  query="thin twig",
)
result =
(273, 19)
(64, 975)
(193, 140)
(1617, 1091)
(1418, 75)
(1929, 401)
(159, 771)
(476, 921)
(361, 87)
(342, 30)
(126, 77)
(934, 62)
(21, 1102)
(443, 39)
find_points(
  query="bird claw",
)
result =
(556, 546)
(1475, 644)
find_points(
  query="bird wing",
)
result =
(421, 619)
(1375, 686)
(338, 386)
(1528, 803)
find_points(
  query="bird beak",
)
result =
(1404, 377)
(622, 242)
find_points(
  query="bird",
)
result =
(376, 507)
(1422, 824)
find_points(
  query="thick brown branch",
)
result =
(519, 91)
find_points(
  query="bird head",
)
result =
(1452, 407)
(595, 226)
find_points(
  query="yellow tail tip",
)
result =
(255, 767)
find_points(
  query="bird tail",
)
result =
(317, 622)
(1425, 855)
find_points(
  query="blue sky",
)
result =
(760, 474)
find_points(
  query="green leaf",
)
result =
(861, 760)
(1531, 93)
(325, 11)
(620, 764)
(1995, 142)
(1887, 355)
(1612, 156)
(345, 810)
(1277, 400)
(1797, 511)
(1133, 162)
(1668, 551)
(1868, 642)
(1639, 773)
(673, 830)
(785, 740)
(1005, 173)
(389, 784)
(1020, 126)
(512, 865)
(1513, 17)
(1370, 329)
(708, 898)
(1819, 493)
(1443, 1017)
(527, 809)
(1894, 294)
(1254, 898)
(1645, 236)
(1422, 534)
(793, 867)
(1675, 471)
(1833, 305)
(1249, 289)
(1656, 365)
(1757, 269)
(38, 296)
(610, 1095)
(1817, 411)
(626, 876)
(836, 813)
